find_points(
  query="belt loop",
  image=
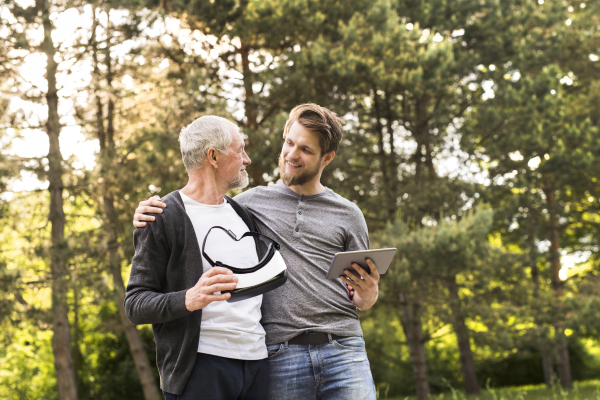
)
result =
(286, 344)
(329, 337)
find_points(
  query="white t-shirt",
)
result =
(230, 330)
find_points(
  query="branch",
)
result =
(23, 159)
(462, 110)
(585, 222)
(131, 150)
(268, 113)
(35, 283)
(491, 133)
(427, 336)
(435, 108)
(20, 298)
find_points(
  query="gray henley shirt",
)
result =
(310, 230)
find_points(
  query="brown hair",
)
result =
(320, 120)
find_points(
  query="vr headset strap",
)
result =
(244, 213)
(246, 216)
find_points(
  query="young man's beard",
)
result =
(240, 182)
(297, 180)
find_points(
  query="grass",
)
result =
(586, 390)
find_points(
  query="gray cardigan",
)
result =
(167, 262)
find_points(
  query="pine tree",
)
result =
(539, 140)
(40, 16)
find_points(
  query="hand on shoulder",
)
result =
(152, 205)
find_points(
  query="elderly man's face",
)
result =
(235, 162)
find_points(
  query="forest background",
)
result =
(471, 144)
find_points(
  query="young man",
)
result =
(205, 347)
(314, 339)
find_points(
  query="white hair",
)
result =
(202, 134)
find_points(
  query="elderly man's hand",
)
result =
(364, 287)
(147, 206)
(214, 280)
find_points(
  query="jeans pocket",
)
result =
(355, 343)
(273, 350)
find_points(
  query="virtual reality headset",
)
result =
(268, 274)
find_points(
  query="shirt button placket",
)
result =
(299, 216)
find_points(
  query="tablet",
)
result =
(381, 257)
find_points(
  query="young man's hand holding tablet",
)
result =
(342, 262)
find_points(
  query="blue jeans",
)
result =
(336, 370)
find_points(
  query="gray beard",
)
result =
(297, 180)
(240, 182)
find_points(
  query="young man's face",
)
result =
(300, 159)
(234, 164)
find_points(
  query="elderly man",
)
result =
(314, 339)
(206, 347)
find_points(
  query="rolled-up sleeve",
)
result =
(145, 301)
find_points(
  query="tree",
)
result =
(406, 88)
(104, 99)
(455, 256)
(539, 138)
(25, 19)
(252, 62)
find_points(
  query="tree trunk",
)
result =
(107, 151)
(412, 310)
(61, 340)
(136, 346)
(553, 236)
(462, 336)
(544, 346)
(547, 367)
(392, 159)
(563, 366)
(387, 186)
(77, 356)
(424, 149)
(251, 110)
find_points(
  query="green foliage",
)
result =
(523, 367)
(448, 105)
(488, 278)
(113, 375)
(587, 390)
(27, 363)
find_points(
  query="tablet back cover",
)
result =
(382, 259)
